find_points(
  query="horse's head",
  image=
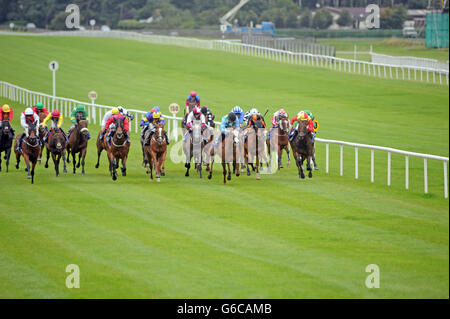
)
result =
(302, 129)
(197, 132)
(6, 128)
(82, 128)
(119, 128)
(59, 142)
(159, 133)
(32, 138)
(284, 125)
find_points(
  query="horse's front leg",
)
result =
(79, 160)
(257, 167)
(27, 162)
(288, 156)
(301, 159)
(64, 161)
(229, 172)
(187, 165)
(308, 166)
(157, 166)
(8, 155)
(83, 157)
(224, 167)
(33, 165)
(74, 162)
(211, 167)
(124, 165)
(163, 165)
(56, 163)
(99, 153)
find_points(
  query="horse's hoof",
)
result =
(237, 175)
(46, 166)
(163, 174)
(229, 178)
(158, 179)
(124, 174)
(248, 174)
(65, 171)
(302, 176)
(316, 168)
(114, 177)
(97, 165)
(310, 175)
(17, 166)
(209, 176)
(187, 174)
(258, 177)
(29, 177)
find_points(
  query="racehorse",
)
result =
(254, 148)
(230, 151)
(119, 148)
(42, 133)
(191, 107)
(303, 148)
(193, 148)
(279, 140)
(156, 152)
(56, 145)
(6, 138)
(78, 142)
(208, 135)
(30, 150)
(100, 147)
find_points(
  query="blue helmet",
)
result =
(237, 110)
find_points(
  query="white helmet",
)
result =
(254, 111)
(28, 111)
(120, 108)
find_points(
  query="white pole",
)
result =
(341, 165)
(406, 172)
(389, 169)
(445, 180)
(93, 111)
(54, 88)
(175, 128)
(425, 175)
(356, 162)
(327, 147)
(372, 165)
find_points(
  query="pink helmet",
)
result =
(196, 110)
(282, 111)
(193, 93)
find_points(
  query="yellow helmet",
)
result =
(303, 116)
(115, 111)
(6, 108)
(156, 115)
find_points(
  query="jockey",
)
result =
(116, 116)
(156, 119)
(228, 121)
(78, 112)
(276, 119)
(315, 122)
(147, 119)
(39, 108)
(301, 117)
(195, 115)
(192, 100)
(237, 110)
(57, 121)
(6, 114)
(255, 116)
(249, 114)
(209, 117)
(109, 114)
(26, 118)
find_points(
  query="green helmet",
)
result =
(80, 108)
(309, 113)
(39, 106)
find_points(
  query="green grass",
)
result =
(391, 46)
(279, 237)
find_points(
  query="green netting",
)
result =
(436, 30)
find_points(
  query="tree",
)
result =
(306, 19)
(345, 19)
(393, 18)
(291, 20)
(322, 19)
(59, 21)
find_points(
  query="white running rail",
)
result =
(382, 70)
(96, 112)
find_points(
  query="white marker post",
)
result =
(93, 96)
(92, 23)
(54, 66)
(174, 108)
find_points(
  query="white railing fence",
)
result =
(96, 112)
(408, 61)
(382, 70)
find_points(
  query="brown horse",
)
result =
(6, 139)
(30, 150)
(78, 142)
(279, 141)
(100, 147)
(156, 152)
(42, 133)
(56, 145)
(193, 147)
(255, 148)
(119, 148)
(303, 148)
(230, 151)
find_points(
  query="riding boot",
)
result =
(167, 138)
(292, 135)
(149, 138)
(313, 137)
(19, 146)
(127, 137)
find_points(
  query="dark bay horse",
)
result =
(78, 143)
(6, 139)
(42, 133)
(279, 141)
(230, 151)
(56, 145)
(30, 150)
(255, 148)
(303, 148)
(156, 152)
(100, 147)
(119, 148)
(193, 148)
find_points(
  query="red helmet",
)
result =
(193, 94)
(55, 113)
(196, 110)
(282, 111)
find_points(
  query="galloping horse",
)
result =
(56, 145)
(6, 138)
(279, 140)
(119, 148)
(30, 150)
(100, 147)
(303, 148)
(230, 151)
(254, 148)
(42, 133)
(78, 142)
(156, 152)
(193, 147)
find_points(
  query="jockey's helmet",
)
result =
(204, 110)
(39, 106)
(6, 108)
(156, 116)
(55, 113)
(193, 94)
(254, 111)
(232, 117)
(80, 108)
(28, 112)
(237, 110)
(115, 111)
